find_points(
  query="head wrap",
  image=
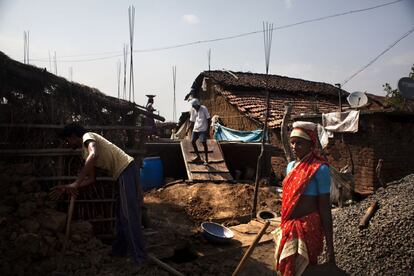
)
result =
(298, 132)
(195, 102)
(310, 130)
(305, 130)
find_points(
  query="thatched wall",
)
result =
(32, 95)
(218, 105)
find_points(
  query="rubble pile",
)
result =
(386, 246)
(32, 230)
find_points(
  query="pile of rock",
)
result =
(32, 230)
(386, 246)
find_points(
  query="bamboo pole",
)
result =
(164, 265)
(260, 159)
(283, 133)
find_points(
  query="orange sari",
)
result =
(299, 241)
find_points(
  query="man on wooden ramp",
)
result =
(200, 123)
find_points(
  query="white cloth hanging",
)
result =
(341, 121)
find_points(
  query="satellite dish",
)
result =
(406, 87)
(357, 99)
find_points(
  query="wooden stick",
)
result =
(261, 157)
(368, 215)
(67, 233)
(164, 265)
(250, 250)
(69, 220)
(284, 135)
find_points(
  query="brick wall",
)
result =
(380, 136)
(393, 137)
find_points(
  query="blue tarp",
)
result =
(222, 133)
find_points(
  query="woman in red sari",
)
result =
(306, 210)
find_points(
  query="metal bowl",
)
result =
(215, 232)
(265, 215)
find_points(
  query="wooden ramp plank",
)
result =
(211, 167)
(215, 170)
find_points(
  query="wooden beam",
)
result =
(210, 171)
(63, 178)
(92, 200)
(52, 152)
(46, 126)
(100, 220)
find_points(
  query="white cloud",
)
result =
(288, 3)
(294, 70)
(190, 19)
(404, 59)
(11, 45)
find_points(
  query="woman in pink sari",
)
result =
(306, 210)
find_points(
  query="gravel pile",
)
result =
(386, 246)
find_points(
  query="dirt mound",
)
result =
(216, 202)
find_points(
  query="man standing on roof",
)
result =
(306, 210)
(99, 152)
(200, 123)
(150, 122)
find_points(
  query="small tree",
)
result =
(411, 76)
(394, 97)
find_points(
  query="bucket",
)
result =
(151, 173)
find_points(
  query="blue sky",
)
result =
(328, 51)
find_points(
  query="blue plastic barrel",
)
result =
(151, 173)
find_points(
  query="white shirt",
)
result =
(199, 118)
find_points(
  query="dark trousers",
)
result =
(129, 236)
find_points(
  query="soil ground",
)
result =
(174, 235)
(176, 213)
